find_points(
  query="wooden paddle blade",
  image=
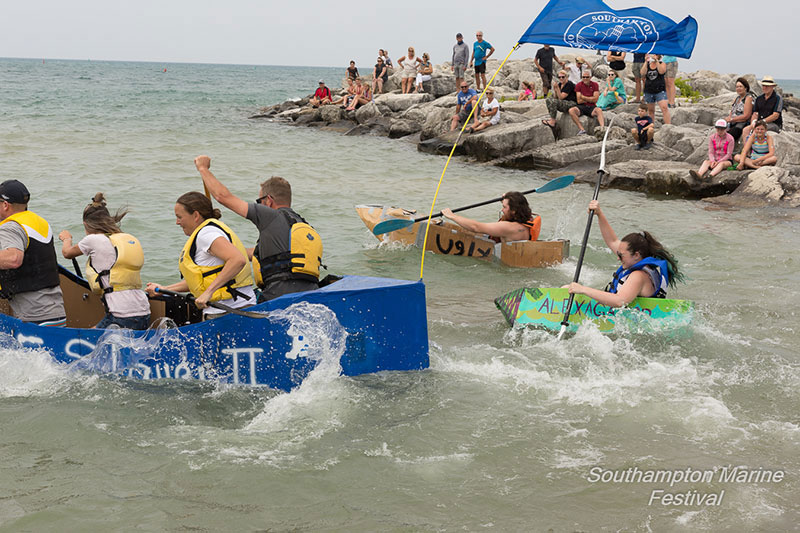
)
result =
(393, 224)
(557, 183)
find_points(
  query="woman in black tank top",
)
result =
(655, 87)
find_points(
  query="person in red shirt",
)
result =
(321, 96)
(587, 92)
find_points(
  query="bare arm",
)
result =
(68, 250)
(234, 262)
(502, 229)
(605, 228)
(180, 286)
(633, 286)
(219, 191)
(11, 258)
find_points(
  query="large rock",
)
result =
(558, 155)
(443, 145)
(696, 114)
(566, 128)
(787, 148)
(403, 127)
(527, 107)
(504, 139)
(331, 113)
(684, 140)
(440, 85)
(763, 187)
(366, 112)
(656, 152)
(437, 122)
(401, 102)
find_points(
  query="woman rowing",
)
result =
(213, 262)
(516, 223)
(115, 261)
(647, 267)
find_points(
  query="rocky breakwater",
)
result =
(521, 140)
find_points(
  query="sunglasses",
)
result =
(586, 77)
(562, 76)
(258, 200)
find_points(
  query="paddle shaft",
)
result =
(217, 305)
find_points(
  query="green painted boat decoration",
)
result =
(545, 308)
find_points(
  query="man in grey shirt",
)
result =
(460, 59)
(28, 266)
(273, 216)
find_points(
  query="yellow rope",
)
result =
(452, 151)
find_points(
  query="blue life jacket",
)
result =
(656, 268)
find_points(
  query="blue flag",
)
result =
(591, 24)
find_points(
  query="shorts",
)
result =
(480, 69)
(463, 114)
(672, 69)
(458, 70)
(652, 98)
(637, 70)
(586, 109)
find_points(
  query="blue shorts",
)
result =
(652, 98)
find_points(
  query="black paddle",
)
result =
(600, 173)
(190, 298)
(394, 224)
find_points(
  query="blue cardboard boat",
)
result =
(361, 324)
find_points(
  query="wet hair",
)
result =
(760, 122)
(518, 205)
(198, 202)
(745, 83)
(279, 189)
(97, 219)
(647, 246)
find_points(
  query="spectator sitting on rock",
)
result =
(379, 76)
(587, 92)
(616, 60)
(759, 149)
(614, 92)
(644, 130)
(768, 107)
(361, 99)
(655, 88)
(321, 96)
(358, 92)
(425, 72)
(636, 67)
(741, 110)
(574, 70)
(351, 71)
(529, 91)
(563, 99)
(544, 62)
(465, 99)
(409, 64)
(720, 151)
(344, 101)
(489, 115)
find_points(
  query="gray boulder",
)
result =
(403, 127)
(504, 139)
(527, 107)
(366, 112)
(401, 102)
(697, 114)
(331, 113)
(684, 140)
(440, 85)
(763, 187)
(442, 145)
(437, 122)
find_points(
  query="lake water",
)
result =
(509, 430)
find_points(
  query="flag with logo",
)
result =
(592, 25)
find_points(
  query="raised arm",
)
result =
(219, 191)
(68, 250)
(605, 228)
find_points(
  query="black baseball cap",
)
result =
(14, 192)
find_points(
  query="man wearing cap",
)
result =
(460, 59)
(544, 62)
(321, 96)
(28, 265)
(768, 107)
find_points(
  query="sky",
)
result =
(326, 33)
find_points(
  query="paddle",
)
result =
(223, 307)
(394, 224)
(600, 173)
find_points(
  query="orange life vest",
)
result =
(535, 226)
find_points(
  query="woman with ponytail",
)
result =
(647, 269)
(213, 262)
(112, 270)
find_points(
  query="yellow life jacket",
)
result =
(39, 269)
(124, 273)
(200, 278)
(302, 261)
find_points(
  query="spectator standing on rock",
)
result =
(479, 57)
(465, 99)
(386, 59)
(644, 130)
(489, 115)
(655, 88)
(544, 62)
(720, 151)
(563, 99)
(759, 149)
(587, 92)
(638, 62)
(574, 70)
(351, 71)
(409, 63)
(460, 59)
(425, 72)
(616, 60)
(669, 78)
(321, 96)
(741, 110)
(768, 107)
(379, 76)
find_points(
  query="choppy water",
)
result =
(500, 434)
